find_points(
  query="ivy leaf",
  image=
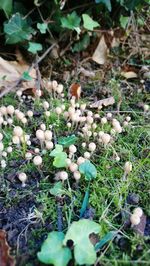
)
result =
(57, 150)
(53, 252)
(60, 160)
(17, 29)
(6, 6)
(88, 22)
(82, 44)
(42, 27)
(34, 47)
(79, 232)
(71, 21)
(26, 76)
(124, 21)
(108, 237)
(88, 170)
(107, 3)
(57, 189)
(67, 141)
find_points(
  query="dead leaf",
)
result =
(87, 73)
(129, 74)
(100, 54)
(103, 102)
(5, 258)
(146, 75)
(140, 228)
(108, 40)
(11, 71)
(75, 90)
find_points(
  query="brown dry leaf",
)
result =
(100, 54)
(129, 74)
(104, 102)
(11, 71)
(107, 41)
(5, 258)
(75, 90)
(139, 228)
(87, 73)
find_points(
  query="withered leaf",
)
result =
(75, 90)
(5, 258)
(103, 102)
(139, 228)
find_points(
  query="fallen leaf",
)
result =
(11, 71)
(100, 54)
(129, 74)
(140, 228)
(5, 258)
(104, 102)
(75, 90)
(87, 73)
(107, 41)
(146, 75)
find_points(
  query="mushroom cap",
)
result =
(40, 134)
(135, 219)
(37, 160)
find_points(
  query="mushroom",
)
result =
(128, 167)
(63, 175)
(135, 219)
(23, 178)
(37, 160)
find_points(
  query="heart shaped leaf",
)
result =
(89, 23)
(67, 141)
(17, 29)
(57, 150)
(53, 252)
(71, 21)
(60, 160)
(34, 47)
(107, 3)
(57, 189)
(88, 170)
(42, 27)
(79, 232)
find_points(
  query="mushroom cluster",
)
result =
(95, 130)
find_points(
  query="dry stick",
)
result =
(7, 90)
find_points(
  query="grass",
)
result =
(108, 192)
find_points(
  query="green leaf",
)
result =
(60, 160)
(107, 3)
(88, 22)
(34, 47)
(42, 27)
(71, 21)
(79, 232)
(17, 29)
(88, 170)
(57, 189)
(6, 6)
(57, 150)
(26, 76)
(108, 237)
(82, 44)
(124, 21)
(53, 252)
(67, 141)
